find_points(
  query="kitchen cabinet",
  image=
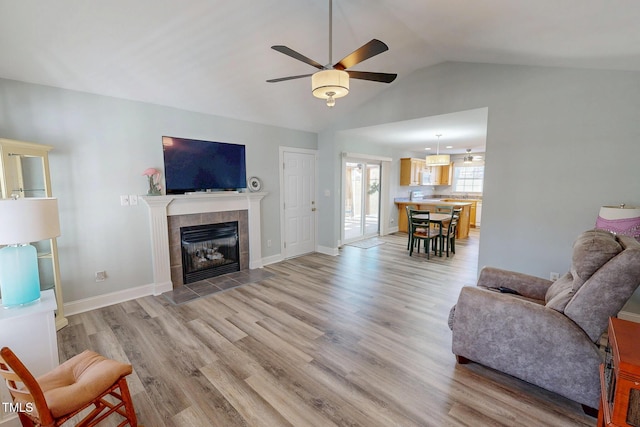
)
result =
(24, 172)
(415, 172)
(430, 205)
(411, 171)
(473, 214)
(441, 175)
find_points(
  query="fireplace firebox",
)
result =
(209, 250)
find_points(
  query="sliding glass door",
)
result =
(361, 201)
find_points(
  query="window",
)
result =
(468, 179)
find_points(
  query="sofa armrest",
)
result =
(525, 284)
(527, 340)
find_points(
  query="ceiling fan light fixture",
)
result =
(468, 158)
(330, 84)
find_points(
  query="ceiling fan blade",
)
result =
(373, 48)
(282, 79)
(295, 55)
(374, 77)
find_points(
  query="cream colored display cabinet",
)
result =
(24, 172)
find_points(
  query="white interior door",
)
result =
(299, 189)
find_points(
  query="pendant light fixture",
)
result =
(438, 159)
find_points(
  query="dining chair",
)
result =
(444, 209)
(54, 398)
(449, 238)
(421, 232)
(408, 208)
(440, 229)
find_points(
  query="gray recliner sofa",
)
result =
(548, 333)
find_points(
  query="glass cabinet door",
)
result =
(24, 173)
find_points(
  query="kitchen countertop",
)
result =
(401, 200)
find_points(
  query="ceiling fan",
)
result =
(468, 158)
(332, 81)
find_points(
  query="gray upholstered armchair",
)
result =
(548, 334)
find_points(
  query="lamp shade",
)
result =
(620, 219)
(28, 220)
(330, 84)
(438, 160)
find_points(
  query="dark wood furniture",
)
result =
(462, 231)
(441, 221)
(620, 376)
(421, 230)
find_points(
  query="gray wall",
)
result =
(560, 143)
(102, 145)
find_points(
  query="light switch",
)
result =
(124, 200)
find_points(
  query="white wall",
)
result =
(102, 145)
(560, 143)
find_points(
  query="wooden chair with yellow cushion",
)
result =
(84, 380)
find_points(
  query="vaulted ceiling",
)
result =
(213, 56)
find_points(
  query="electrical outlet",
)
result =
(554, 276)
(124, 200)
(133, 199)
(269, 243)
(101, 276)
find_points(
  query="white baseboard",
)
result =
(627, 315)
(392, 230)
(92, 303)
(328, 251)
(88, 304)
(272, 259)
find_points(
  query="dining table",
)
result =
(437, 218)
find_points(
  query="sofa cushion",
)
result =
(591, 250)
(560, 293)
(606, 292)
(79, 380)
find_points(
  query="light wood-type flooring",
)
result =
(359, 339)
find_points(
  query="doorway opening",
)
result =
(361, 201)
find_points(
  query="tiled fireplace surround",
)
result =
(178, 221)
(168, 213)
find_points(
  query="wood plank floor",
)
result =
(360, 339)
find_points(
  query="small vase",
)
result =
(153, 188)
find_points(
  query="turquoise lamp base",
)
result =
(19, 280)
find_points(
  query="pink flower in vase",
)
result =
(154, 181)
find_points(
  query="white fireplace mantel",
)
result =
(162, 207)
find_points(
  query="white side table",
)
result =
(29, 331)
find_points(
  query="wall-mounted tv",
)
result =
(192, 165)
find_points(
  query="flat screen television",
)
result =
(192, 165)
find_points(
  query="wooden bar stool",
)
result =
(55, 397)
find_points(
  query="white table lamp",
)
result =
(621, 219)
(23, 221)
